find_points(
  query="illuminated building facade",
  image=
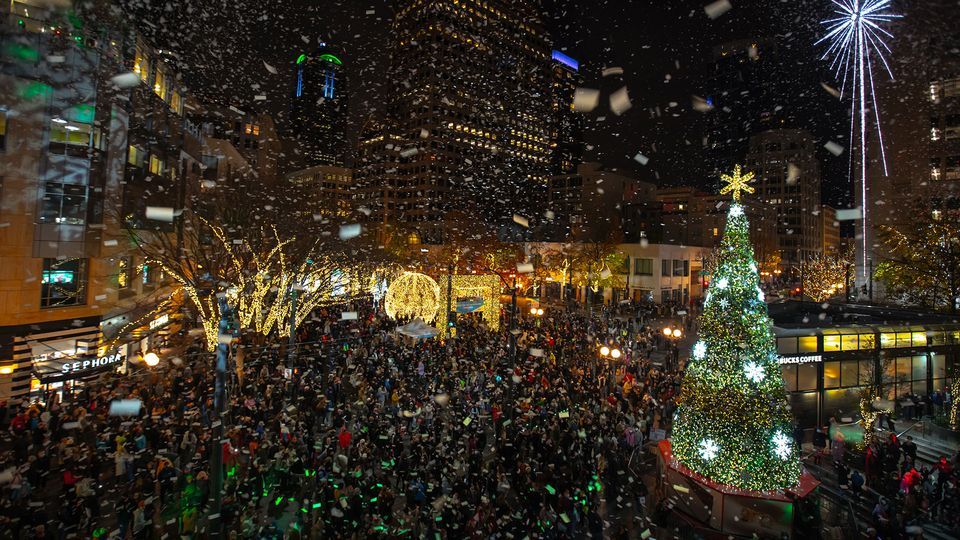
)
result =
(470, 129)
(788, 178)
(319, 112)
(81, 151)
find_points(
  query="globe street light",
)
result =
(151, 359)
(604, 351)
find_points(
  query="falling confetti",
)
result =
(717, 9)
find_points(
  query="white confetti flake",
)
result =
(620, 101)
(524, 268)
(585, 99)
(160, 213)
(125, 407)
(208, 184)
(831, 90)
(348, 316)
(56, 59)
(109, 243)
(350, 231)
(125, 80)
(717, 9)
(520, 220)
(850, 214)
(781, 445)
(270, 68)
(833, 148)
(409, 152)
(607, 72)
(641, 159)
(701, 105)
(793, 174)
(754, 371)
(708, 449)
(260, 97)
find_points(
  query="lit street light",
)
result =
(151, 359)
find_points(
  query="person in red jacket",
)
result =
(344, 438)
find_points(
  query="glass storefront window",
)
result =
(807, 377)
(888, 340)
(866, 372)
(849, 373)
(868, 342)
(936, 338)
(920, 368)
(831, 374)
(939, 365)
(787, 345)
(919, 339)
(807, 344)
(849, 342)
(790, 377)
(903, 340)
(904, 369)
(831, 343)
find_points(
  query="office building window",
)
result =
(71, 133)
(665, 295)
(156, 165)
(64, 203)
(141, 65)
(643, 267)
(176, 102)
(124, 266)
(677, 268)
(686, 268)
(161, 84)
(665, 267)
(63, 283)
(136, 156)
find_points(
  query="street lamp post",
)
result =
(219, 403)
(613, 354)
(673, 336)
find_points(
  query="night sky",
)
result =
(663, 47)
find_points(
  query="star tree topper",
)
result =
(737, 183)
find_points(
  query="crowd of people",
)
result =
(360, 434)
(364, 433)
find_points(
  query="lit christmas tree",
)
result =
(732, 424)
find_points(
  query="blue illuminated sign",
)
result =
(566, 60)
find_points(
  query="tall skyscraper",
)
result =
(788, 178)
(319, 113)
(567, 140)
(744, 91)
(469, 125)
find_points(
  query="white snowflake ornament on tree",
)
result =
(754, 371)
(722, 283)
(699, 350)
(781, 445)
(708, 449)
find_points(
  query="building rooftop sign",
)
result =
(566, 60)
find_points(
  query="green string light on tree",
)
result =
(733, 424)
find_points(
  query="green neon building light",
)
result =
(331, 58)
(301, 58)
